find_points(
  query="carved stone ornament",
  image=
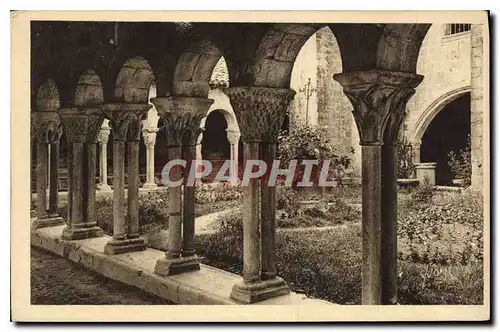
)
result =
(379, 100)
(103, 135)
(260, 111)
(181, 117)
(149, 135)
(233, 136)
(126, 119)
(45, 127)
(81, 124)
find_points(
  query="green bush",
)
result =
(327, 265)
(422, 194)
(405, 159)
(153, 211)
(449, 231)
(308, 142)
(461, 163)
(207, 193)
(104, 213)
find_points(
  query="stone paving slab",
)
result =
(209, 285)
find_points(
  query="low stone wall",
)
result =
(209, 285)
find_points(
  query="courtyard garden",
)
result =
(318, 243)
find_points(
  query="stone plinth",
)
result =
(114, 247)
(259, 291)
(48, 222)
(171, 266)
(426, 171)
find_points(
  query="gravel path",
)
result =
(55, 280)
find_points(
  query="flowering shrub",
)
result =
(307, 142)
(461, 164)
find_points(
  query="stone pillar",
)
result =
(54, 175)
(103, 138)
(199, 156)
(181, 117)
(32, 139)
(233, 136)
(477, 106)
(149, 135)
(379, 100)
(81, 125)
(125, 121)
(260, 113)
(46, 127)
(426, 172)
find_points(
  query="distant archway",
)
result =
(448, 131)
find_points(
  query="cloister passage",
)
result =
(76, 92)
(448, 131)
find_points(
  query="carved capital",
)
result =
(379, 100)
(149, 137)
(260, 111)
(233, 136)
(81, 124)
(45, 127)
(103, 135)
(181, 117)
(126, 119)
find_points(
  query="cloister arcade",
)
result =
(113, 77)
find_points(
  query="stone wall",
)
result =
(477, 105)
(444, 61)
(319, 59)
(334, 109)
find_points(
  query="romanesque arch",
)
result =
(134, 80)
(434, 108)
(194, 69)
(47, 97)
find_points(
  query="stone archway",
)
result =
(448, 131)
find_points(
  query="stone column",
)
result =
(133, 141)
(149, 135)
(260, 113)
(199, 156)
(125, 121)
(32, 139)
(233, 136)
(81, 125)
(46, 126)
(103, 138)
(379, 100)
(54, 174)
(181, 117)
(477, 106)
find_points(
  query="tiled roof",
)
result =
(220, 76)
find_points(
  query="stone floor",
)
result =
(55, 280)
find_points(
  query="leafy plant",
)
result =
(461, 163)
(308, 142)
(406, 168)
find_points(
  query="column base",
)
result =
(81, 231)
(114, 247)
(149, 186)
(48, 222)
(170, 266)
(103, 187)
(259, 291)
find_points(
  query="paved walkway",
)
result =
(55, 280)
